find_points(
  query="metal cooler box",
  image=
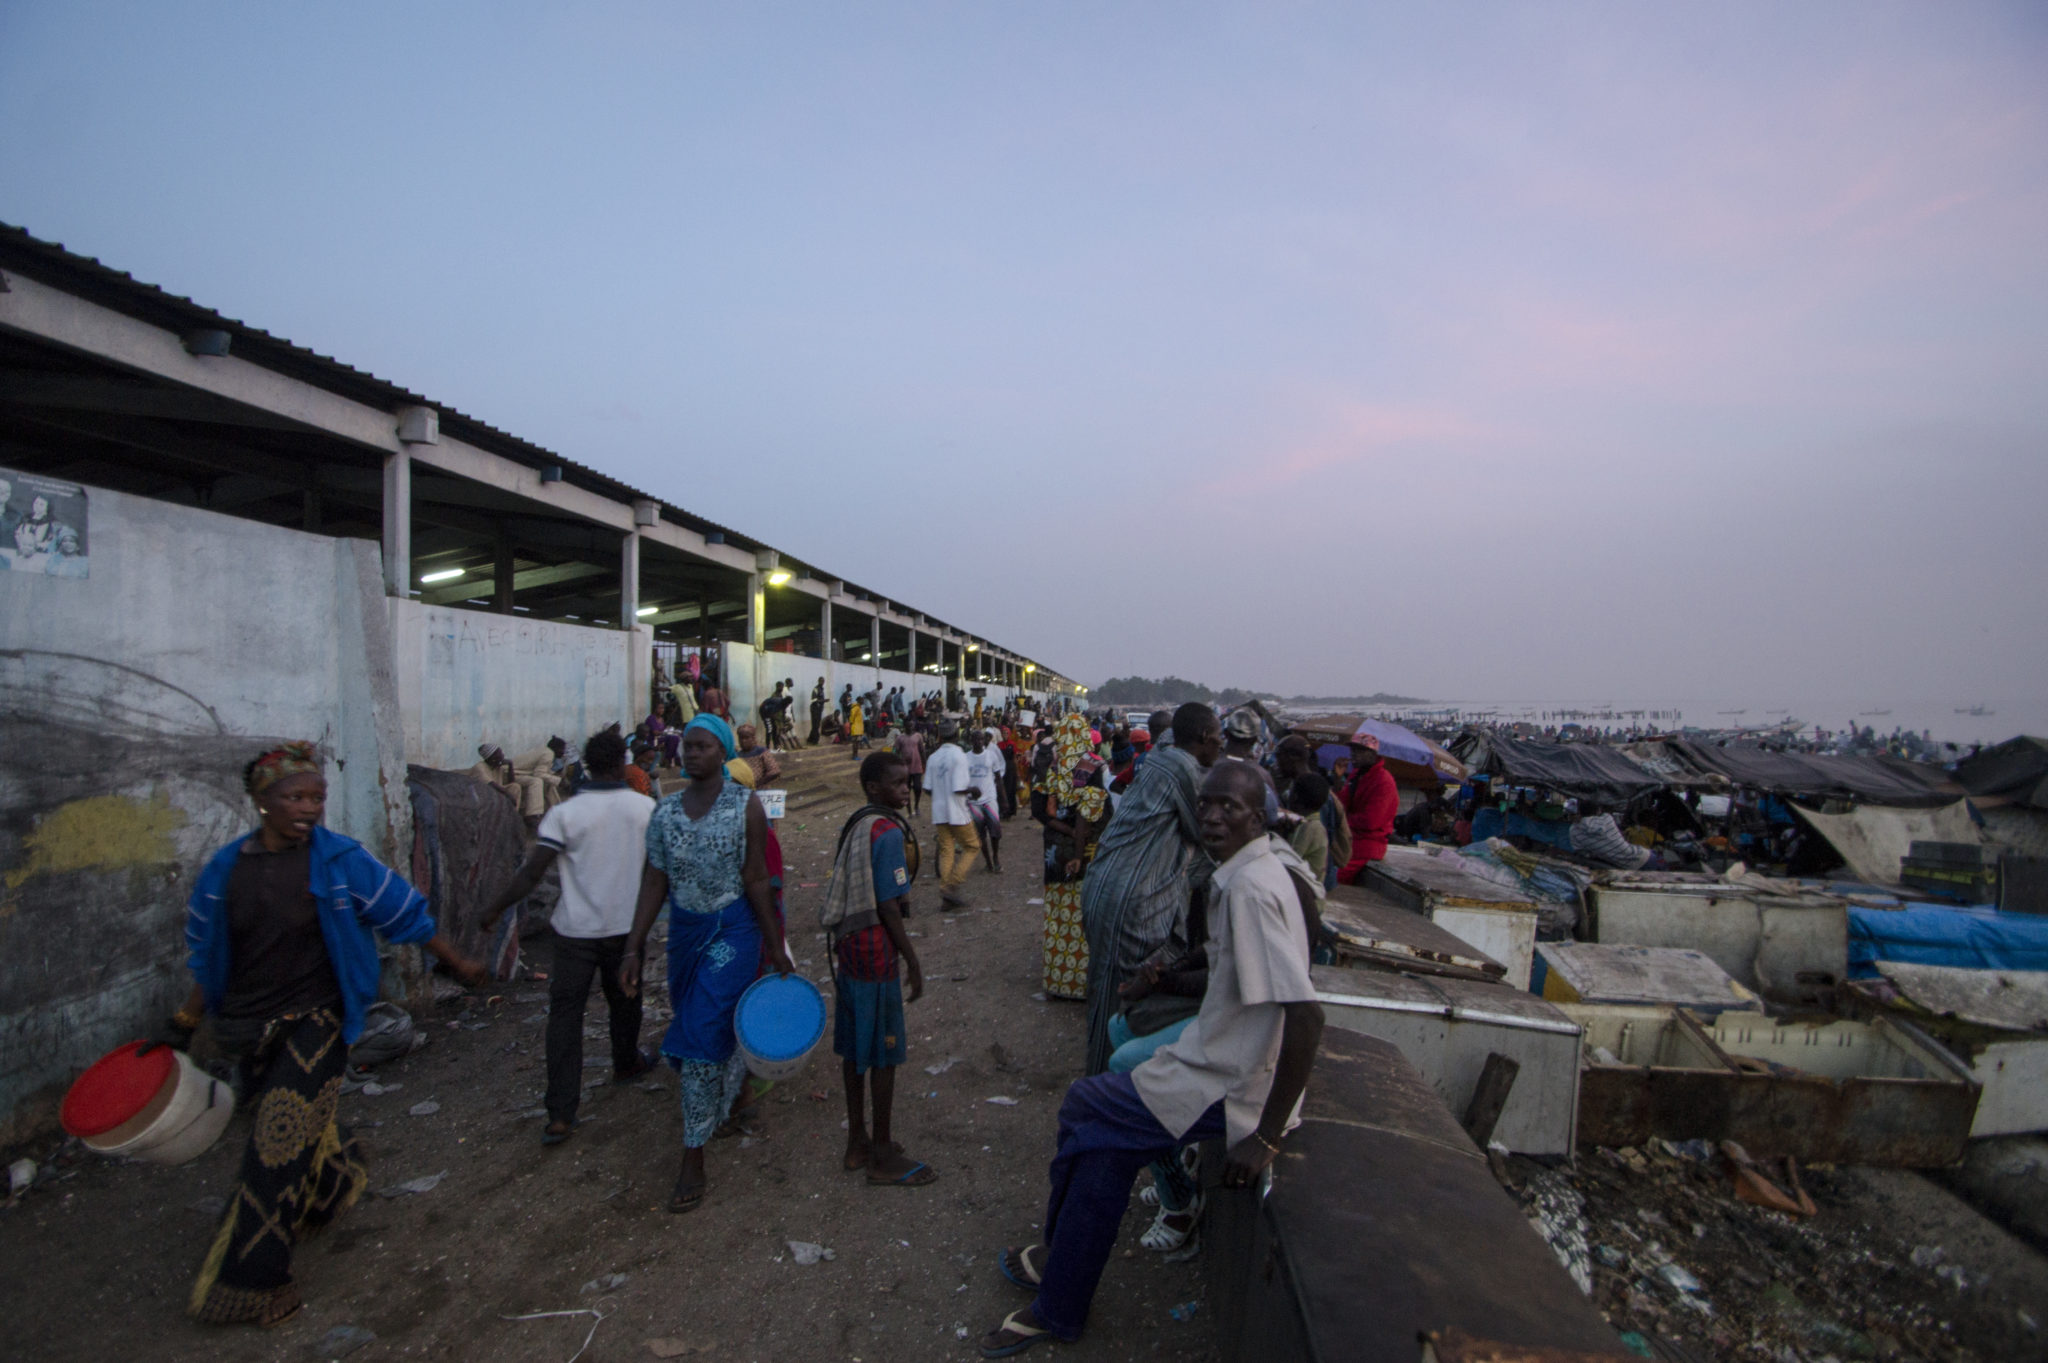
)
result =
(1446, 1028)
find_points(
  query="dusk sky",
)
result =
(1545, 350)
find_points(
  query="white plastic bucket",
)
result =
(179, 1124)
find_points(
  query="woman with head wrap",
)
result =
(707, 861)
(279, 932)
(1073, 805)
(758, 758)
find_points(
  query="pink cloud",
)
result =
(1360, 432)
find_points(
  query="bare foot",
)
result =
(857, 1154)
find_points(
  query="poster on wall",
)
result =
(42, 525)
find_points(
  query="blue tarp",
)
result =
(1975, 938)
(1489, 822)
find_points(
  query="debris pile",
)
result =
(1673, 1243)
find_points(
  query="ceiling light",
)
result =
(445, 575)
(647, 610)
(779, 578)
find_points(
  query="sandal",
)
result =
(1027, 1335)
(685, 1199)
(1162, 1238)
(1017, 1266)
(550, 1136)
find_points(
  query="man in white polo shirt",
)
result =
(600, 837)
(1238, 1071)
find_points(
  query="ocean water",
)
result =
(2007, 717)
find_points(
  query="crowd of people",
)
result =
(1184, 860)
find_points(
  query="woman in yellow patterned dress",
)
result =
(1073, 805)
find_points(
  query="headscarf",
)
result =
(291, 759)
(1074, 764)
(718, 729)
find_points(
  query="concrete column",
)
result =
(398, 524)
(910, 666)
(502, 585)
(875, 644)
(757, 611)
(629, 580)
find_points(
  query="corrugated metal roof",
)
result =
(86, 277)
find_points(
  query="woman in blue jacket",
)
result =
(279, 930)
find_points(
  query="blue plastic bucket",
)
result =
(779, 1022)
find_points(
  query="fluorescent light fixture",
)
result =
(779, 578)
(1031, 667)
(647, 610)
(867, 657)
(445, 575)
(974, 648)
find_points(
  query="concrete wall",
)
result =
(465, 677)
(129, 702)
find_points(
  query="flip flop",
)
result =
(1027, 1335)
(916, 1176)
(1017, 1266)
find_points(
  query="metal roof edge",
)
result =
(52, 263)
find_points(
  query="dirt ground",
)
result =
(98, 1259)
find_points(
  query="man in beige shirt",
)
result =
(1238, 1071)
(529, 779)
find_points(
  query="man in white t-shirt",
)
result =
(946, 781)
(1238, 1071)
(984, 772)
(599, 836)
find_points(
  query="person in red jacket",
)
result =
(1370, 802)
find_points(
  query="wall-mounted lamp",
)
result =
(779, 578)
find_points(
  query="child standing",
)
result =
(863, 915)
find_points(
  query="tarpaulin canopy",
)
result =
(1880, 780)
(1872, 838)
(1586, 770)
(2014, 772)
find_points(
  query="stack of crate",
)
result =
(1958, 871)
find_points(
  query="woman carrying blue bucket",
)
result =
(707, 860)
